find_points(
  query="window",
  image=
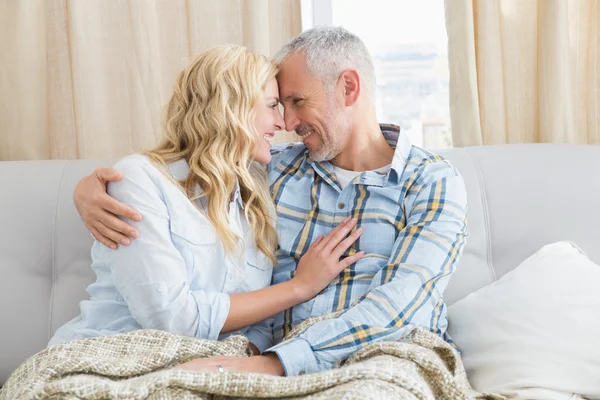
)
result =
(408, 42)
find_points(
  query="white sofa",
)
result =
(521, 197)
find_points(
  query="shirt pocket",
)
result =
(193, 230)
(259, 269)
(198, 244)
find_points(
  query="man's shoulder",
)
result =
(429, 166)
(284, 149)
(285, 154)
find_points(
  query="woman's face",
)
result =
(268, 119)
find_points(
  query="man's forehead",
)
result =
(293, 76)
(290, 86)
(295, 61)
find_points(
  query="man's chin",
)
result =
(316, 151)
(317, 156)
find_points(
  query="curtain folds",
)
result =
(524, 71)
(88, 79)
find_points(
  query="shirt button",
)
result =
(230, 277)
(341, 205)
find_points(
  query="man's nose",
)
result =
(291, 120)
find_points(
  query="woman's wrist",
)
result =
(299, 291)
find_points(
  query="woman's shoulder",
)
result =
(138, 173)
(136, 163)
(142, 164)
(143, 178)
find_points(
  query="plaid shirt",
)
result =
(414, 221)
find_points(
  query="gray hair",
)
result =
(329, 51)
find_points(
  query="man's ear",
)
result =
(351, 84)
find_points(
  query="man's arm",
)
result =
(261, 335)
(407, 292)
(99, 211)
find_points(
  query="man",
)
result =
(411, 205)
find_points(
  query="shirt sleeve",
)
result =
(150, 274)
(407, 291)
(261, 334)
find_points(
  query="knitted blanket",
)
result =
(138, 365)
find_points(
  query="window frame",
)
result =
(316, 12)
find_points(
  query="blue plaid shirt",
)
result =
(414, 221)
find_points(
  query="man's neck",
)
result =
(366, 149)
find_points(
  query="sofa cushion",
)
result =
(534, 333)
(521, 197)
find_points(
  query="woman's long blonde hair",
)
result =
(210, 124)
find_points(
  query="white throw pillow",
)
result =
(535, 333)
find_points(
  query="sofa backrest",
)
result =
(521, 197)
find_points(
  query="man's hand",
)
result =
(323, 260)
(99, 211)
(267, 364)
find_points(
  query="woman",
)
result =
(202, 264)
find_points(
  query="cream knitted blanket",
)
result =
(137, 365)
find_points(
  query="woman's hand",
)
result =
(266, 364)
(99, 211)
(321, 263)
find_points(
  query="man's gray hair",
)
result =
(329, 51)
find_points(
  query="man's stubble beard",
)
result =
(337, 126)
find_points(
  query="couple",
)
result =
(364, 224)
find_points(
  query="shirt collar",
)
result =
(402, 148)
(237, 197)
(401, 145)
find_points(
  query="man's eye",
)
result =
(274, 106)
(296, 101)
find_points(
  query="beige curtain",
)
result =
(90, 78)
(524, 71)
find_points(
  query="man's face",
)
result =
(314, 112)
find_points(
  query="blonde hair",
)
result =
(210, 124)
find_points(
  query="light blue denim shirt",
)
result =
(175, 276)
